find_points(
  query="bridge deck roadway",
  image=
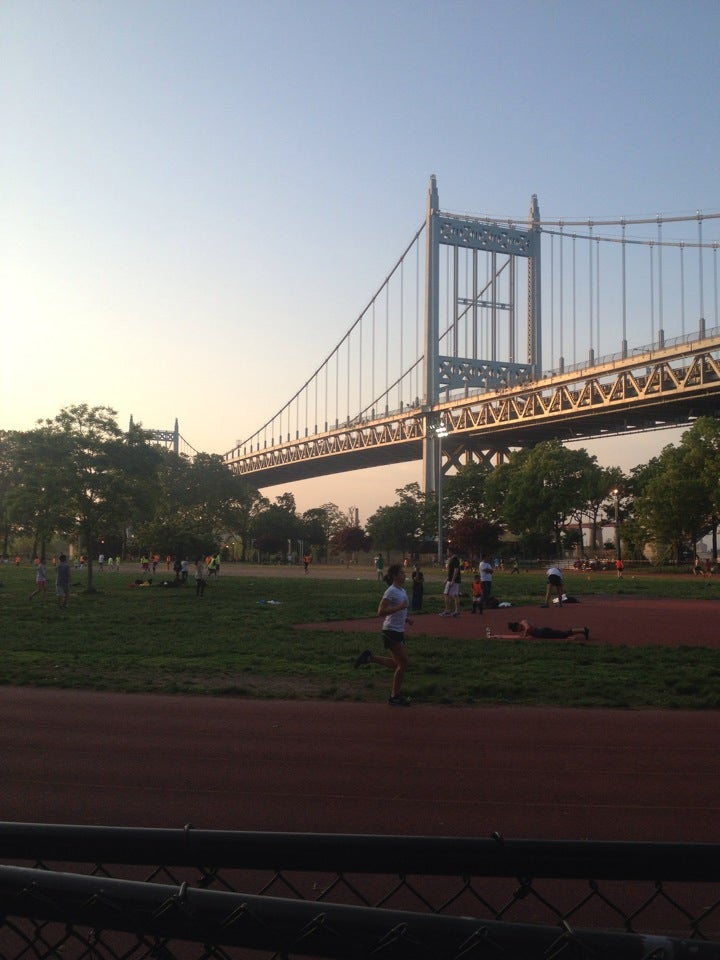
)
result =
(666, 387)
(136, 760)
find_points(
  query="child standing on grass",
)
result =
(40, 578)
(393, 607)
(477, 597)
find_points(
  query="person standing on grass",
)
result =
(486, 575)
(201, 576)
(40, 578)
(418, 588)
(62, 580)
(393, 607)
(451, 592)
(554, 582)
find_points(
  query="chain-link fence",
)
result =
(111, 893)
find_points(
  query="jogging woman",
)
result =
(393, 607)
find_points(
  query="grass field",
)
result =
(229, 643)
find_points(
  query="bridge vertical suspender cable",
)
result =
(701, 284)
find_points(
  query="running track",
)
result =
(136, 760)
(113, 759)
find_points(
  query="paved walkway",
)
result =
(114, 759)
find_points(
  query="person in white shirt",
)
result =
(486, 573)
(554, 582)
(393, 608)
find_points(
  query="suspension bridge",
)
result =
(489, 334)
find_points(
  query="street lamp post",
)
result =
(616, 494)
(440, 432)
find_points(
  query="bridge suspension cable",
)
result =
(656, 302)
(389, 378)
(561, 222)
(354, 359)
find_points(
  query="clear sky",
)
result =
(199, 196)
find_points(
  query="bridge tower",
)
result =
(449, 373)
(534, 328)
(171, 438)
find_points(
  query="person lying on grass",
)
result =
(525, 629)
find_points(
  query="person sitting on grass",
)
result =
(526, 630)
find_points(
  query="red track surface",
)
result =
(616, 620)
(94, 758)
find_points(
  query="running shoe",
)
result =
(398, 701)
(363, 658)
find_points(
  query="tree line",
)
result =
(79, 476)
(539, 500)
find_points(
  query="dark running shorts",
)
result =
(555, 580)
(391, 637)
(548, 633)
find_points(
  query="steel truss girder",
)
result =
(163, 436)
(643, 400)
(456, 373)
(480, 235)
(643, 392)
(348, 439)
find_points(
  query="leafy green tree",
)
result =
(599, 502)
(473, 536)
(400, 526)
(464, 492)
(537, 491)
(173, 526)
(286, 501)
(9, 482)
(247, 503)
(350, 540)
(99, 476)
(37, 502)
(336, 518)
(635, 533)
(200, 502)
(674, 507)
(701, 446)
(277, 523)
(319, 524)
(225, 502)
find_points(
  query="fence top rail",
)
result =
(300, 927)
(436, 856)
